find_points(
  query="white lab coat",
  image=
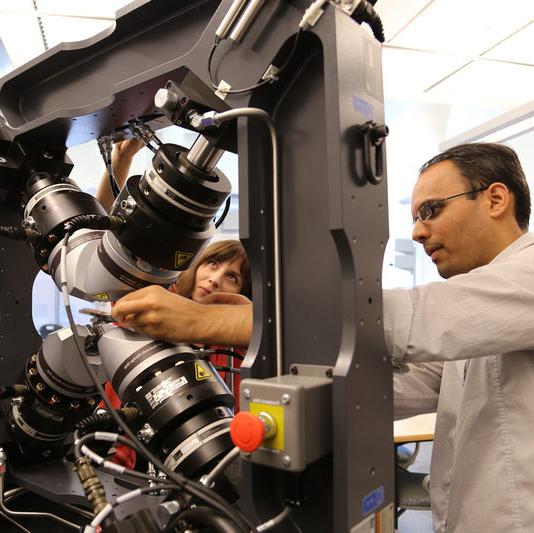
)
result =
(469, 346)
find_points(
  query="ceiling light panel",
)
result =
(487, 82)
(518, 47)
(395, 15)
(469, 28)
(20, 34)
(408, 73)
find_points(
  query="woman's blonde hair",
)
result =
(220, 251)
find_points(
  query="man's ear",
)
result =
(500, 199)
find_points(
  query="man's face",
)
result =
(456, 237)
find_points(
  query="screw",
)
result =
(51, 238)
(128, 205)
(329, 373)
(33, 358)
(40, 387)
(75, 404)
(286, 399)
(145, 433)
(32, 371)
(55, 399)
(17, 400)
(246, 394)
(48, 155)
(286, 461)
(91, 401)
(294, 370)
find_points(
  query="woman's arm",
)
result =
(121, 160)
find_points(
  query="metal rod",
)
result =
(203, 154)
(263, 115)
(245, 20)
(229, 19)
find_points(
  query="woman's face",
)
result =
(217, 276)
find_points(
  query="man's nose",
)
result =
(420, 232)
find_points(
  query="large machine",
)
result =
(294, 88)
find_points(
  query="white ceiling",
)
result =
(450, 51)
(446, 51)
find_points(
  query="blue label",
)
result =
(363, 107)
(373, 501)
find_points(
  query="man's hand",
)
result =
(163, 315)
(229, 298)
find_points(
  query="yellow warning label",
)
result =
(102, 296)
(201, 373)
(181, 258)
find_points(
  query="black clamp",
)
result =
(372, 138)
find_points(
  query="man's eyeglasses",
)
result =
(431, 209)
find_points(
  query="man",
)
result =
(467, 343)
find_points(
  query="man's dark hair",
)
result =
(486, 163)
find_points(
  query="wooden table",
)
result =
(415, 429)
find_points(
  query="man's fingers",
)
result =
(225, 298)
(128, 310)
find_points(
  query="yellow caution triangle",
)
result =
(181, 258)
(201, 373)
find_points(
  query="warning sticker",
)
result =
(181, 258)
(102, 296)
(201, 372)
(164, 390)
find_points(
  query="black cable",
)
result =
(224, 213)
(112, 180)
(257, 85)
(19, 234)
(227, 369)
(365, 12)
(203, 518)
(9, 391)
(194, 488)
(98, 421)
(221, 351)
(94, 222)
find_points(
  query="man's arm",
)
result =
(121, 160)
(482, 313)
(162, 315)
(416, 391)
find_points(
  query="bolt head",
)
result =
(286, 461)
(165, 99)
(246, 394)
(286, 399)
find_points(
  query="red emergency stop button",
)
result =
(247, 431)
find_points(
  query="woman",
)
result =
(222, 267)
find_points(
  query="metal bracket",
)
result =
(314, 371)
